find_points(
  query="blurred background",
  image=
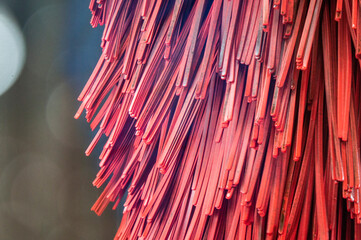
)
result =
(47, 52)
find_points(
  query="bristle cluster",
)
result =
(229, 119)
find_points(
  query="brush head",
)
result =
(228, 118)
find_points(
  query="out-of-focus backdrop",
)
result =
(47, 52)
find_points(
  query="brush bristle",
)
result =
(228, 119)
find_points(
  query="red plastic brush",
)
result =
(228, 119)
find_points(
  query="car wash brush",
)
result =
(228, 119)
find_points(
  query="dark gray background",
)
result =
(45, 178)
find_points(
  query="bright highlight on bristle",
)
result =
(228, 119)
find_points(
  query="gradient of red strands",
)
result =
(206, 110)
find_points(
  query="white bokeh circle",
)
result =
(12, 50)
